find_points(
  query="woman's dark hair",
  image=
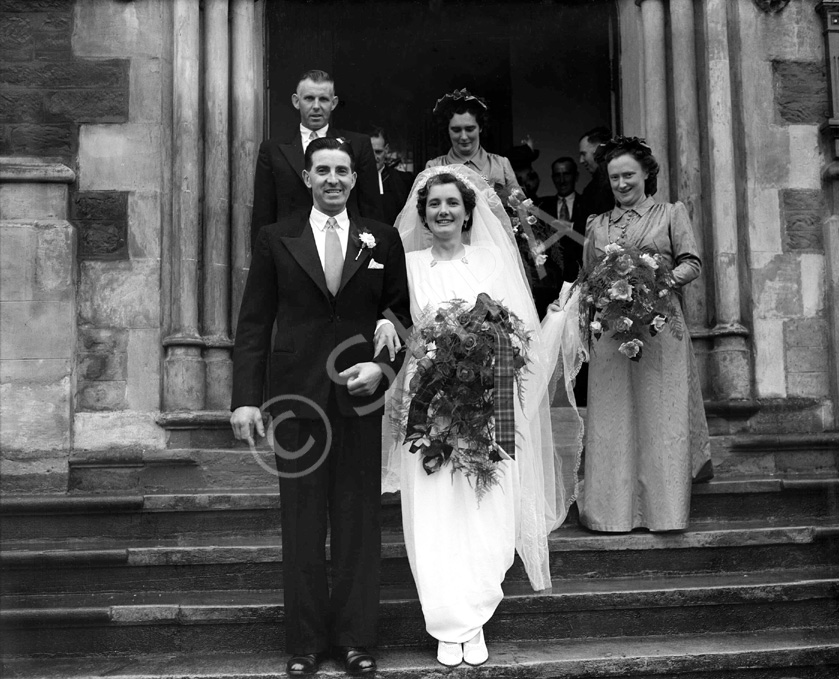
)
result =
(461, 101)
(467, 194)
(636, 148)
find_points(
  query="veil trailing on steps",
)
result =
(546, 490)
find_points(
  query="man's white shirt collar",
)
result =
(319, 219)
(306, 133)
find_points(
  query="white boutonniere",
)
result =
(366, 241)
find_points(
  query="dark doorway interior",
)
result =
(548, 69)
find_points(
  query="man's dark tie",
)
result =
(333, 260)
(563, 210)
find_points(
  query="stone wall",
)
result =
(784, 99)
(88, 82)
(37, 325)
(119, 209)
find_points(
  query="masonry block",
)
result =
(41, 140)
(765, 224)
(812, 384)
(35, 404)
(37, 261)
(30, 201)
(805, 332)
(802, 211)
(144, 215)
(806, 359)
(102, 220)
(35, 329)
(20, 105)
(31, 6)
(108, 106)
(776, 286)
(800, 91)
(119, 29)
(121, 429)
(99, 396)
(120, 294)
(770, 374)
(120, 158)
(16, 31)
(67, 74)
(144, 358)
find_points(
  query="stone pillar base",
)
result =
(219, 377)
(183, 371)
(730, 368)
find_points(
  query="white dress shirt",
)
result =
(306, 133)
(318, 221)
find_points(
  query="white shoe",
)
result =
(449, 654)
(475, 650)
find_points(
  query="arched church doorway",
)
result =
(548, 69)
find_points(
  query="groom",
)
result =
(329, 281)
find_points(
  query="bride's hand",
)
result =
(386, 336)
(554, 307)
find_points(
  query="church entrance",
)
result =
(548, 69)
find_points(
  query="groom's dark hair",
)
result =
(328, 143)
(467, 194)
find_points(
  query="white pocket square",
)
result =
(375, 265)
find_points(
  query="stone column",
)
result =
(655, 90)
(730, 359)
(216, 318)
(245, 136)
(830, 175)
(184, 367)
(688, 171)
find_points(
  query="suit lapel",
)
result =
(293, 151)
(304, 250)
(356, 256)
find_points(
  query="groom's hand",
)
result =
(363, 378)
(244, 420)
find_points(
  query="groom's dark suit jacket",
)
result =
(286, 282)
(279, 190)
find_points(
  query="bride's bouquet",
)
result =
(462, 411)
(627, 295)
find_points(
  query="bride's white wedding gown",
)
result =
(459, 549)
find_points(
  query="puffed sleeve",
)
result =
(686, 262)
(589, 251)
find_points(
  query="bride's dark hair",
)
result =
(467, 194)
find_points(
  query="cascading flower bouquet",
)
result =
(627, 294)
(462, 412)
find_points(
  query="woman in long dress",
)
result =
(460, 547)
(646, 433)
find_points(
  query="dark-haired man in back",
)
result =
(278, 188)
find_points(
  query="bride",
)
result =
(459, 243)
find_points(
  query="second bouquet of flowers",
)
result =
(627, 296)
(470, 359)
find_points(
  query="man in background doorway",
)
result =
(595, 199)
(394, 184)
(278, 187)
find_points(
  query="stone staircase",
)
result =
(166, 564)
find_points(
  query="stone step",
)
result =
(785, 654)
(237, 511)
(253, 561)
(234, 465)
(254, 621)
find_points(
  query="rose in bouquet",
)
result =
(627, 297)
(469, 360)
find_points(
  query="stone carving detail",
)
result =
(802, 211)
(771, 6)
(101, 218)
